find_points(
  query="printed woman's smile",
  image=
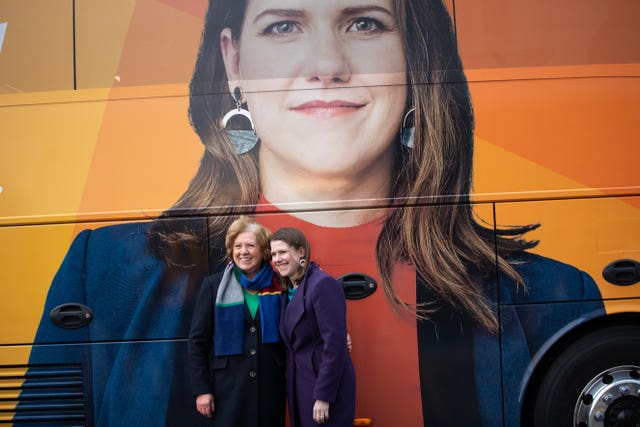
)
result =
(324, 109)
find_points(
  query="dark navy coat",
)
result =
(134, 353)
(248, 389)
(313, 326)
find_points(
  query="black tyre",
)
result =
(594, 382)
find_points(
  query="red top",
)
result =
(385, 349)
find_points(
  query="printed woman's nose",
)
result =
(327, 62)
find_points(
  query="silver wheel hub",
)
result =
(610, 399)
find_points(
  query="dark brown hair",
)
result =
(431, 224)
(297, 240)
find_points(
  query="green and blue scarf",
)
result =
(229, 309)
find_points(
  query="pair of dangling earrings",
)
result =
(244, 140)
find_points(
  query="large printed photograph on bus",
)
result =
(352, 121)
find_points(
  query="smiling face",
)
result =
(286, 259)
(247, 254)
(325, 82)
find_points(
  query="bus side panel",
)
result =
(589, 234)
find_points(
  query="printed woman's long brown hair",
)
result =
(430, 222)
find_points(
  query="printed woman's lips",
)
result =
(327, 109)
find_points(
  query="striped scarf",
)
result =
(229, 309)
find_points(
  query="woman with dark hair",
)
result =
(351, 121)
(236, 357)
(320, 376)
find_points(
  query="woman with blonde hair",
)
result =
(235, 353)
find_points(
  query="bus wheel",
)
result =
(595, 381)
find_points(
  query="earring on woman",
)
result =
(243, 140)
(303, 263)
(407, 133)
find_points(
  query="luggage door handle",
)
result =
(71, 315)
(622, 272)
(357, 285)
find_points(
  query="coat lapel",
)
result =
(284, 298)
(295, 308)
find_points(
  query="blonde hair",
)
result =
(247, 224)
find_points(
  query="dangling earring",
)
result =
(243, 140)
(408, 133)
(303, 263)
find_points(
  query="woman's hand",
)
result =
(205, 405)
(320, 411)
(348, 342)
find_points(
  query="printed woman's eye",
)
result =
(282, 27)
(366, 25)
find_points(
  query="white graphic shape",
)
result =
(3, 31)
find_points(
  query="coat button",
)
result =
(252, 351)
(252, 374)
(252, 329)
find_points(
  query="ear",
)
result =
(231, 57)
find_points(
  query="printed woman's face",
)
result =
(325, 82)
(246, 253)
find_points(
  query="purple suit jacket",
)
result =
(313, 327)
